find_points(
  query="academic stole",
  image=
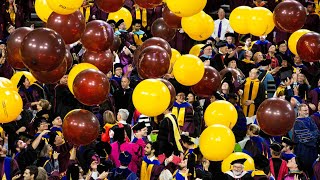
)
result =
(251, 88)
(179, 114)
(87, 15)
(138, 39)
(146, 168)
(175, 132)
(143, 18)
(12, 15)
(186, 156)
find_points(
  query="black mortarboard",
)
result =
(281, 42)
(231, 46)
(265, 62)
(227, 60)
(139, 126)
(111, 21)
(260, 162)
(244, 38)
(117, 65)
(125, 157)
(103, 148)
(25, 135)
(218, 96)
(229, 35)
(288, 141)
(186, 139)
(119, 22)
(221, 44)
(207, 45)
(136, 21)
(276, 147)
(238, 161)
(38, 121)
(211, 39)
(21, 81)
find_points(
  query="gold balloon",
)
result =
(124, 14)
(65, 6)
(10, 105)
(6, 84)
(42, 10)
(196, 49)
(185, 8)
(199, 26)
(261, 21)
(239, 19)
(17, 76)
(294, 38)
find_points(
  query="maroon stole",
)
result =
(283, 169)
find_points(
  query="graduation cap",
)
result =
(119, 22)
(125, 157)
(37, 122)
(244, 38)
(238, 161)
(25, 135)
(117, 65)
(276, 147)
(218, 96)
(111, 21)
(288, 141)
(230, 35)
(138, 126)
(281, 42)
(260, 161)
(207, 45)
(221, 44)
(186, 139)
(265, 62)
(136, 21)
(227, 60)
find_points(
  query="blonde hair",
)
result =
(255, 129)
(108, 117)
(44, 104)
(255, 56)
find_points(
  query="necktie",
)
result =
(220, 28)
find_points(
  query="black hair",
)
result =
(299, 163)
(155, 147)
(73, 172)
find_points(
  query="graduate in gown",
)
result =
(138, 35)
(245, 40)
(123, 172)
(218, 59)
(287, 150)
(262, 45)
(237, 172)
(29, 95)
(207, 55)
(278, 167)
(126, 38)
(151, 167)
(314, 95)
(312, 22)
(140, 134)
(261, 165)
(189, 144)
(5, 69)
(295, 166)
(283, 53)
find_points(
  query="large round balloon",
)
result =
(289, 16)
(151, 97)
(188, 70)
(217, 142)
(10, 105)
(6, 84)
(17, 76)
(43, 50)
(154, 62)
(91, 87)
(76, 70)
(98, 36)
(199, 26)
(70, 27)
(293, 40)
(175, 55)
(221, 112)
(51, 77)
(275, 116)
(160, 28)
(261, 21)
(109, 6)
(42, 9)
(158, 42)
(171, 19)
(80, 127)
(196, 49)
(124, 14)
(239, 19)
(149, 4)
(234, 73)
(209, 83)
(308, 47)
(65, 7)
(172, 91)
(185, 9)
(248, 164)
(116, 44)
(13, 47)
(102, 60)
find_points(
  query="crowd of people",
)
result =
(132, 145)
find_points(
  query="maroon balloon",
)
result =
(110, 5)
(98, 36)
(80, 127)
(68, 58)
(160, 28)
(172, 91)
(226, 70)
(51, 77)
(209, 83)
(91, 87)
(289, 16)
(158, 42)
(116, 44)
(136, 55)
(275, 116)
(102, 60)
(70, 26)
(43, 50)
(308, 47)
(149, 4)
(171, 19)
(13, 47)
(154, 62)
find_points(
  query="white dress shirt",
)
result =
(225, 28)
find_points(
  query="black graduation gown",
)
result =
(166, 139)
(218, 62)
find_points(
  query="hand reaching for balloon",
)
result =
(55, 155)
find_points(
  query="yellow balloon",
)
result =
(188, 70)
(10, 105)
(65, 6)
(248, 164)
(199, 26)
(196, 49)
(175, 55)
(6, 84)
(260, 22)
(217, 142)
(124, 14)
(76, 70)
(151, 97)
(239, 19)
(221, 112)
(42, 9)
(17, 76)
(185, 9)
(294, 38)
